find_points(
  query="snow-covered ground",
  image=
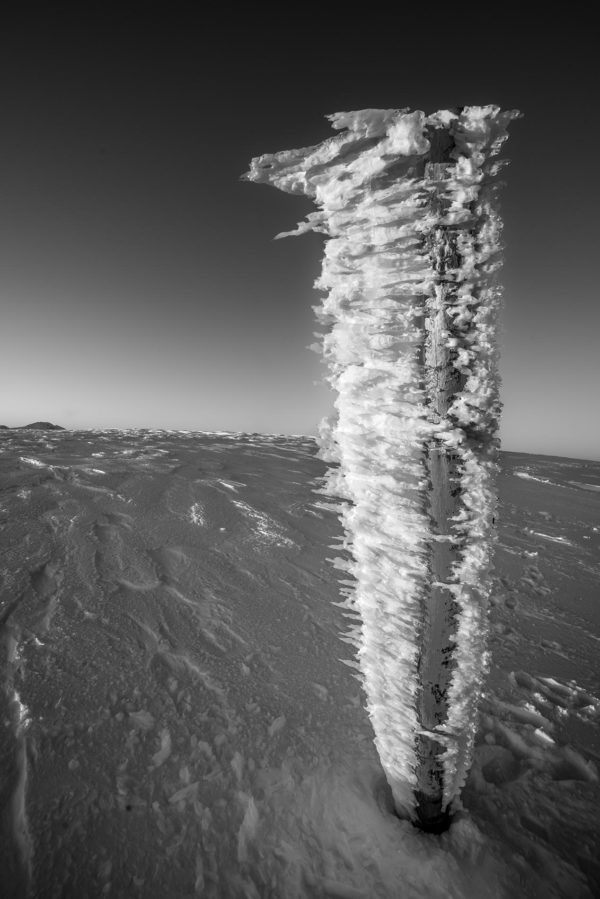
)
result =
(176, 720)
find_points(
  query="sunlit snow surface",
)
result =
(176, 720)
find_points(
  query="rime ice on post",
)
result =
(407, 202)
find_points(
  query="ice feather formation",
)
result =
(407, 202)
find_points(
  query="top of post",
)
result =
(371, 141)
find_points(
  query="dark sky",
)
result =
(139, 282)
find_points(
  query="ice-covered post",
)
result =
(443, 381)
(408, 204)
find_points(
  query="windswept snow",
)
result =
(531, 477)
(178, 723)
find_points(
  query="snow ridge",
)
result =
(391, 212)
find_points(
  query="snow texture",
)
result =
(390, 211)
(175, 719)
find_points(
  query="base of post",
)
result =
(432, 817)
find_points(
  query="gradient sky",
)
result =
(139, 282)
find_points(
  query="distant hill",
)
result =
(38, 426)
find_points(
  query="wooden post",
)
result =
(400, 265)
(442, 381)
